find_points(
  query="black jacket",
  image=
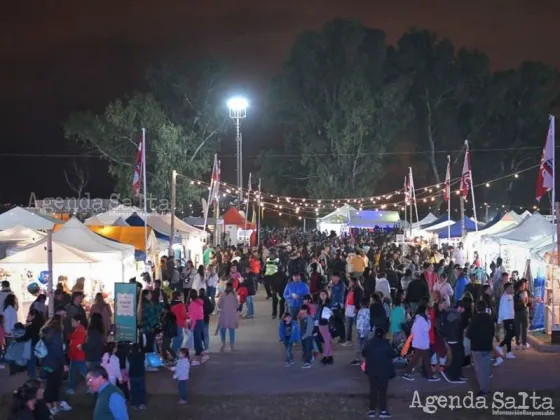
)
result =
(378, 317)
(417, 289)
(450, 325)
(94, 346)
(208, 308)
(249, 282)
(369, 285)
(32, 332)
(379, 356)
(279, 282)
(481, 332)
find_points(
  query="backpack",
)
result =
(40, 350)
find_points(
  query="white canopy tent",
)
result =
(337, 219)
(21, 217)
(109, 218)
(16, 237)
(532, 228)
(120, 222)
(429, 218)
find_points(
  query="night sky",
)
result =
(66, 55)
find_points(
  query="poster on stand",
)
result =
(125, 312)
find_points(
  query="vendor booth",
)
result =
(237, 227)
(370, 219)
(336, 220)
(32, 220)
(17, 236)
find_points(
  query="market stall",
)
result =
(237, 227)
(337, 220)
(22, 217)
(16, 237)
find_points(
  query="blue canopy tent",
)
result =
(136, 220)
(456, 230)
(440, 219)
(492, 222)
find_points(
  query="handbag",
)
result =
(40, 350)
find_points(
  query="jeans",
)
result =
(360, 343)
(250, 306)
(278, 302)
(76, 367)
(198, 333)
(509, 331)
(455, 369)
(137, 391)
(231, 335)
(211, 293)
(206, 337)
(521, 326)
(183, 390)
(268, 285)
(307, 345)
(378, 392)
(177, 340)
(482, 361)
(32, 366)
(289, 346)
(349, 325)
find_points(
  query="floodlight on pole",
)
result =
(238, 111)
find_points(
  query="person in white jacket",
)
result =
(421, 344)
(506, 315)
(110, 362)
(182, 374)
(199, 281)
(382, 285)
(10, 309)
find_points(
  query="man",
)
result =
(3, 293)
(337, 305)
(451, 329)
(271, 269)
(278, 284)
(474, 287)
(481, 334)
(358, 264)
(208, 255)
(417, 290)
(250, 282)
(459, 255)
(382, 285)
(499, 270)
(294, 293)
(110, 404)
(158, 294)
(506, 315)
(74, 308)
(461, 282)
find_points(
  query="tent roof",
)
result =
(456, 230)
(429, 218)
(120, 222)
(131, 235)
(233, 217)
(180, 225)
(22, 217)
(75, 234)
(440, 220)
(20, 233)
(37, 254)
(109, 217)
(528, 230)
(342, 213)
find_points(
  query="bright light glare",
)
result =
(237, 103)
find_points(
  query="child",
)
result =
(111, 363)
(76, 355)
(137, 377)
(306, 328)
(398, 317)
(2, 342)
(182, 374)
(308, 300)
(362, 329)
(242, 293)
(289, 334)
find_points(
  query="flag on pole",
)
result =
(215, 182)
(406, 191)
(545, 178)
(447, 190)
(466, 176)
(137, 179)
(411, 186)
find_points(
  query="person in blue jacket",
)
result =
(289, 334)
(294, 293)
(461, 282)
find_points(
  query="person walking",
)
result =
(481, 333)
(506, 316)
(378, 356)
(228, 319)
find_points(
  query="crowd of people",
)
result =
(405, 303)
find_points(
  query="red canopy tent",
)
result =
(233, 217)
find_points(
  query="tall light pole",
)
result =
(238, 111)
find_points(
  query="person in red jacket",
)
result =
(179, 309)
(76, 355)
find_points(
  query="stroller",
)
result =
(401, 361)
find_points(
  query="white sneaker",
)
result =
(527, 346)
(510, 355)
(498, 362)
(64, 406)
(500, 351)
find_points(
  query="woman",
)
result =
(104, 309)
(521, 306)
(23, 405)
(199, 281)
(378, 356)
(148, 319)
(421, 344)
(322, 316)
(443, 287)
(196, 312)
(80, 285)
(32, 331)
(41, 306)
(179, 309)
(228, 319)
(188, 277)
(95, 341)
(211, 283)
(353, 299)
(10, 317)
(53, 364)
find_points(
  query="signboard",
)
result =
(400, 238)
(125, 312)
